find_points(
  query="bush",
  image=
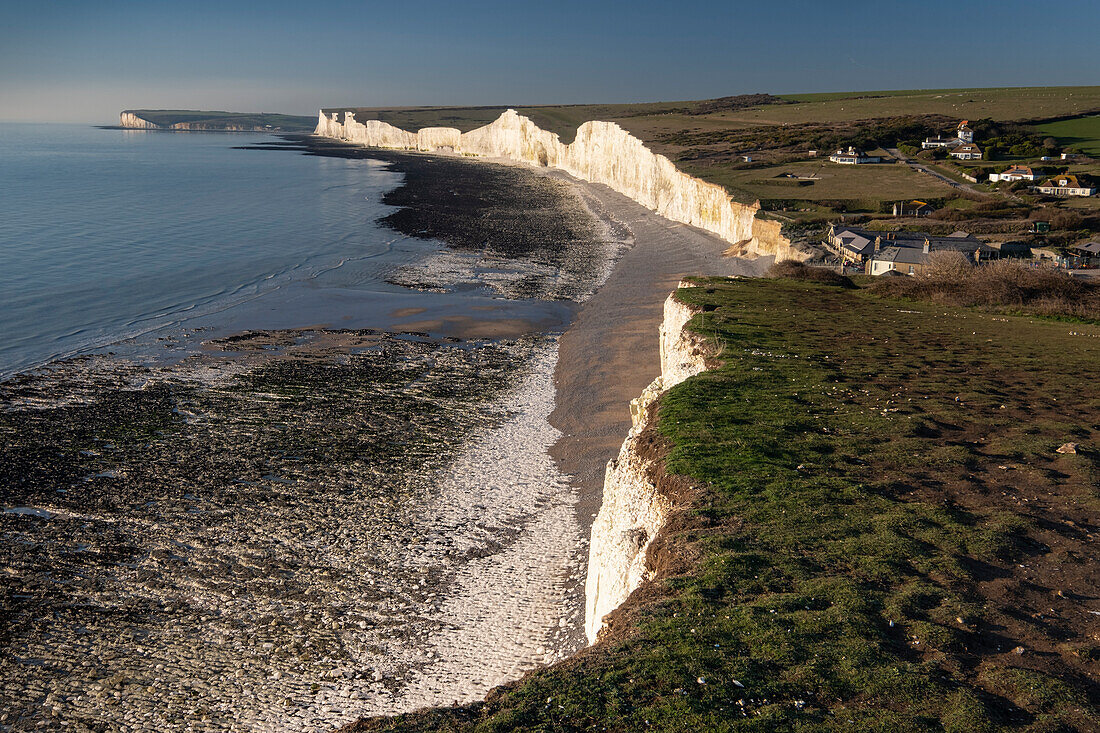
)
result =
(795, 270)
(951, 280)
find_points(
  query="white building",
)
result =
(1015, 173)
(1065, 185)
(853, 157)
(963, 135)
(967, 151)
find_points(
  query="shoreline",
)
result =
(600, 357)
(385, 653)
(609, 351)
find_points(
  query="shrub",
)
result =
(1002, 283)
(795, 270)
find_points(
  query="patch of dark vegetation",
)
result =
(884, 537)
(863, 134)
(795, 270)
(726, 104)
(1004, 284)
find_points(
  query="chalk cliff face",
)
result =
(132, 121)
(603, 153)
(129, 119)
(633, 511)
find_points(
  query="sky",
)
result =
(84, 61)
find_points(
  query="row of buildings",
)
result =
(1063, 184)
(961, 146)
(902, 253)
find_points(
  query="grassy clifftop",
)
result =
(881, 537)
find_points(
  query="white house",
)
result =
(1065, 185)
(853, 157)
(967, 151)
(1015, 173)
(963, 134)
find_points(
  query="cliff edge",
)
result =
(633, 509)
(602, 153)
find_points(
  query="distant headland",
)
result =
(188, 120)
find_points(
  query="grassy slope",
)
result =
(1083, 133)
(883, 520)
(288, 123)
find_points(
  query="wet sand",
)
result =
(610, 351)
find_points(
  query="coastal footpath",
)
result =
(602, 153)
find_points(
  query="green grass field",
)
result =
(1082, 133)
(883, 537)
(879, 182)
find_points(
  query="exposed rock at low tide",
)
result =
(254, 539)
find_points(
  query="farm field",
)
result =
(652, 119)
(881, 182)
(1083, 133)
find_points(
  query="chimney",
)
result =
(927, 246)
(878, 243)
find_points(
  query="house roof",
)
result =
(1092, 248)
(957, 240)
(1070, 181)
(967, 148)
(1019, 169)
(902, 255)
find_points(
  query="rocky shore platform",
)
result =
(287, 529)
(280, 533)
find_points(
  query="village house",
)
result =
(872, 251)
(853, 157)
(1085, 255)
(914, 256)
(967, 151)
(1015, 173)
(913, 208)
(1064, 185)
(903, 260)
(963, 134)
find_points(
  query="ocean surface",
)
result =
(282, 491)
(109, 234)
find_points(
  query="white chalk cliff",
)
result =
(603, 153)
(129, 119)
(633, 511)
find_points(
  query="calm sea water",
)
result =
(107, 234)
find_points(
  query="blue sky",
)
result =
(85, 61)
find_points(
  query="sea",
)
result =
(109, 234)
(267, 463)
